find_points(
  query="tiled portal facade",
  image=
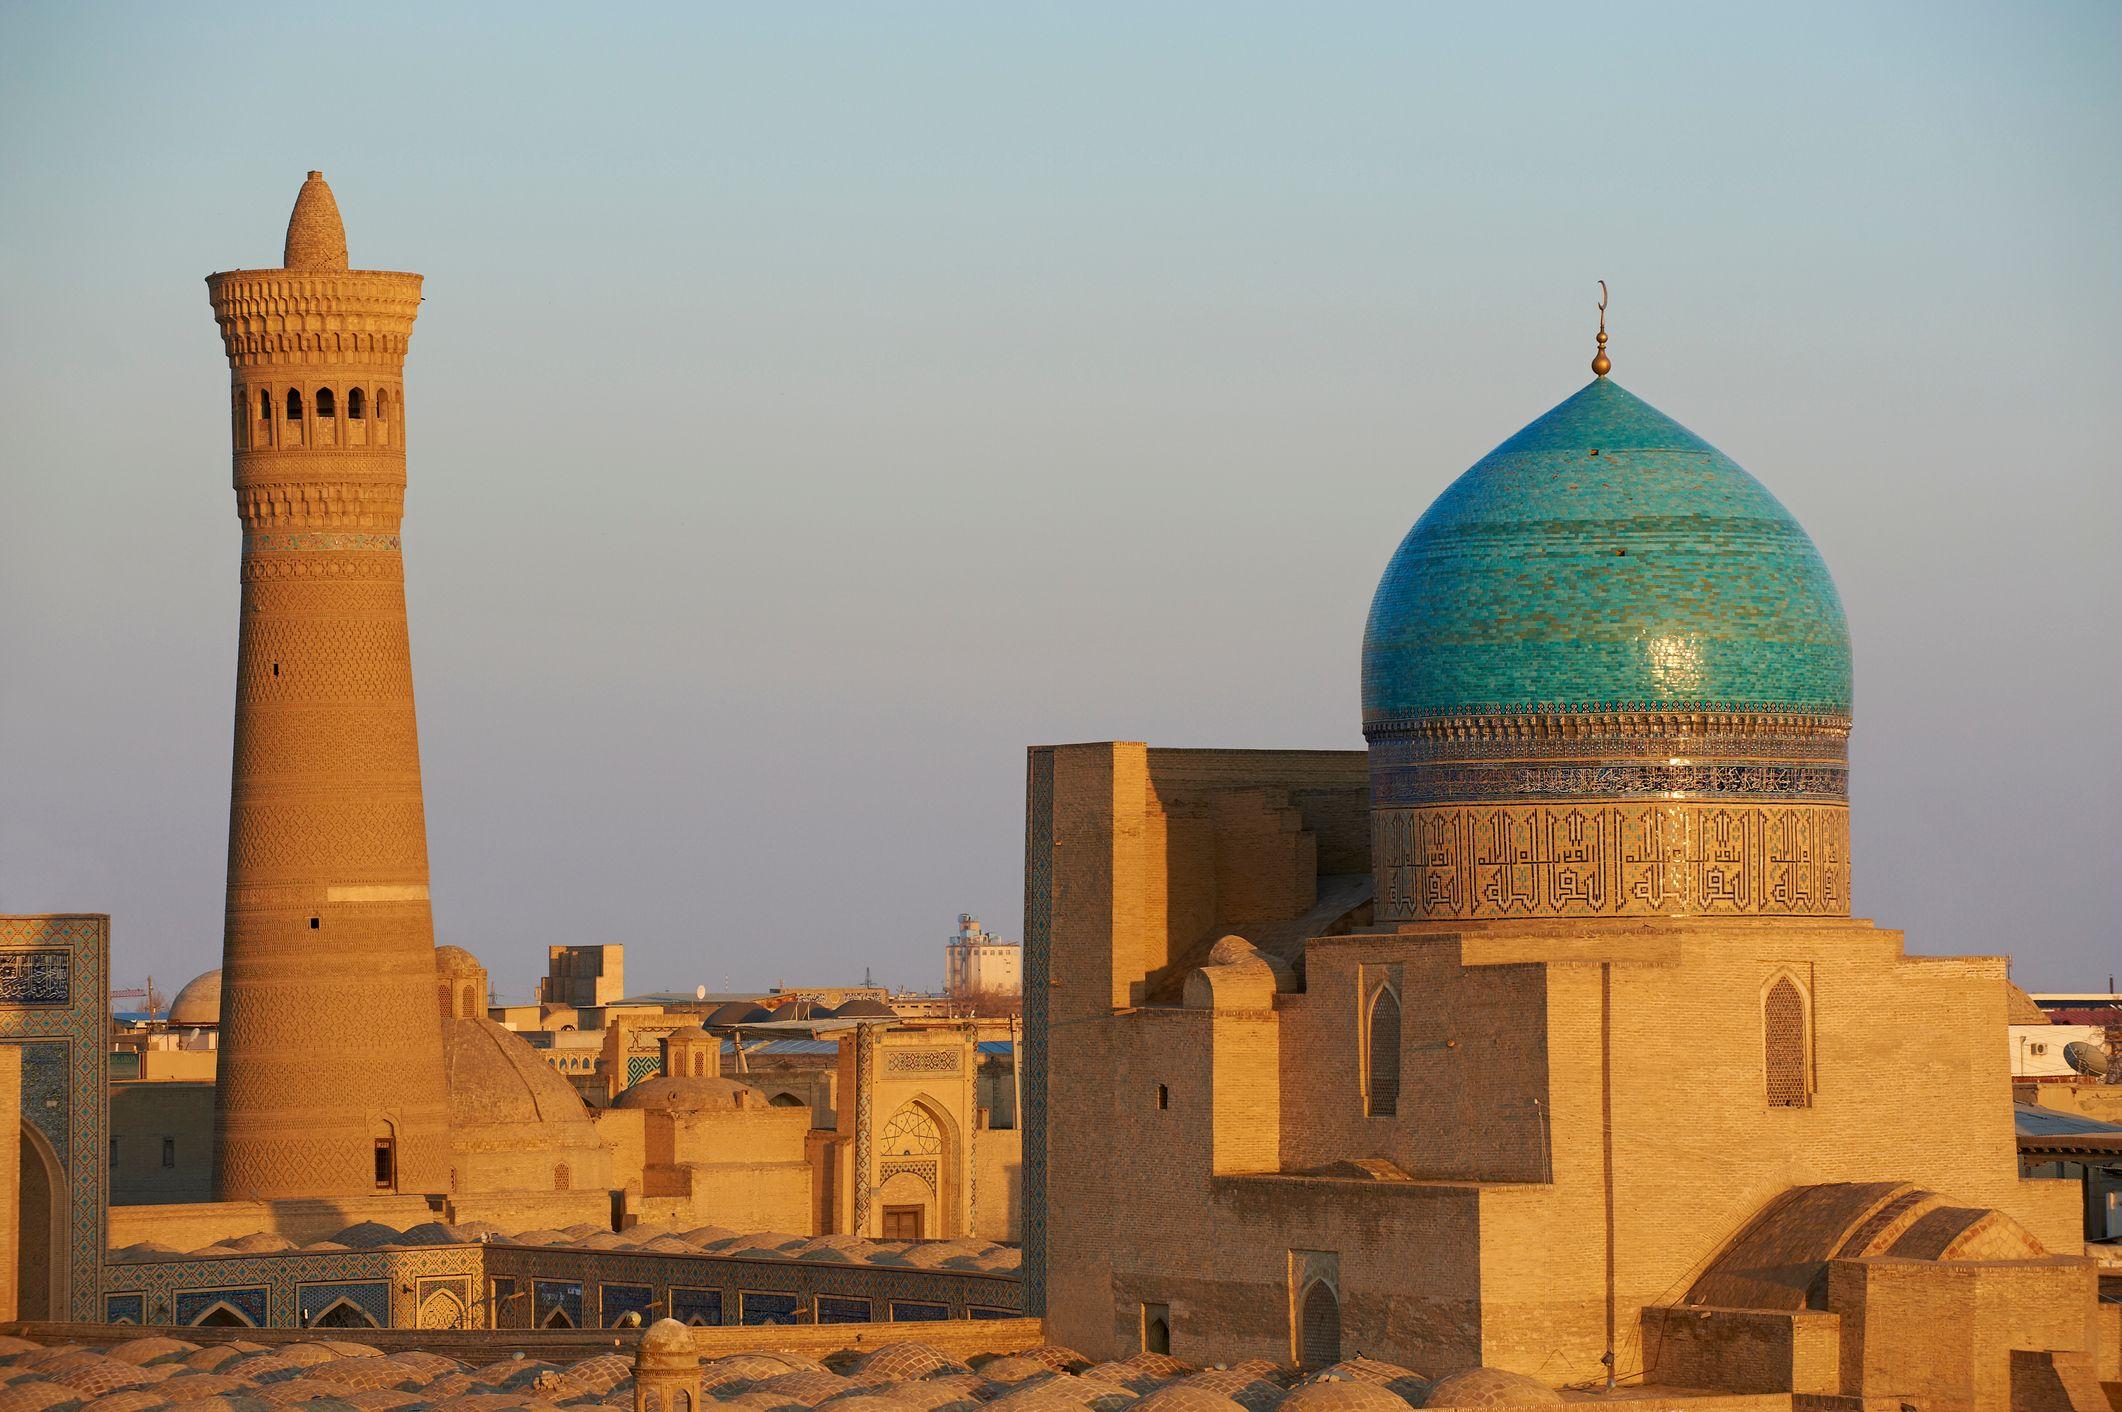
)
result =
(54, 1004)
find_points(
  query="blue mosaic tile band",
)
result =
(1625, 779)
(122, 1309)
(1605, 557)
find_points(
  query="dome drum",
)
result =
(1607, 674)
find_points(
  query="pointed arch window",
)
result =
(1319, 1342)
(1381, 1080)
(354, 404)
(294, 404)
(325, 403)
(1786, 1045)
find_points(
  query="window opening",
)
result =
(1382, 1081)
(1784, 1047)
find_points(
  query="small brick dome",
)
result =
(1491, 1387)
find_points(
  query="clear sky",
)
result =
(815, 405)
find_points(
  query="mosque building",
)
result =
(1401, 1051)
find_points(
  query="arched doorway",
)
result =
(40, 1271)
(918, 1196)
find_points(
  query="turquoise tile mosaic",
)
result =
(1605, 556)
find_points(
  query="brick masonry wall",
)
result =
(1584, 1104)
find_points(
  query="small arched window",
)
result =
(325, 404)
(383, 404)
(1784, 1046)
(294, 404)
(354, 401)
(560, 1177)
(1319, 1341)
(265, 405)
(1382, 1039)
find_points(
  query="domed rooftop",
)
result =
(512, 1116)
(199, 1003)
(316, 237)
(1492, 1387)
(864, 1008)
(456, 961)
(734, 1012)
(1604, 557)
(496, 1078)
(688, 1095)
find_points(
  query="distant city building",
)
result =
(584, 977)
(976, 962)
(2040, 1042)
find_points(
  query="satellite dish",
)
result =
(2088, 1059)
(699, 992)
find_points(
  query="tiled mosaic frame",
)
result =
(66, 1079)
(372, 1297)
(123, 1308)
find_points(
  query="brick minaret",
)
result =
(331, 1060)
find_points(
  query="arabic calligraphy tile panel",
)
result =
(1612, 859)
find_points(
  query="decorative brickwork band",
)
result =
(1607, 859)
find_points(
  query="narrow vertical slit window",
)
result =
(1785, 1046)
(1382, 1039)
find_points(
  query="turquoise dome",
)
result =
(1604, 557)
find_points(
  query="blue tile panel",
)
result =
(371, 1297)
(905, 1312)
(122, 1309)
(696, 1306)
(835, 1309)
(1605, 556)
(757, 1308)
(195, 1304)
(617, 1301)
(563, 1295)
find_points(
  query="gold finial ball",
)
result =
(1602, 365)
